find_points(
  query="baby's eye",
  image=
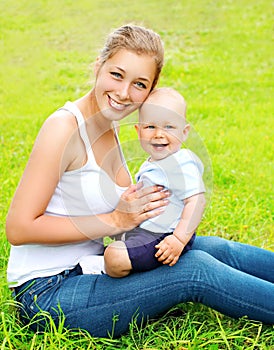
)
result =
(150, 127)
(116, 75)
(169, 127)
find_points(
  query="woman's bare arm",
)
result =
(53, 153)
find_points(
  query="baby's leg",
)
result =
(117, 262)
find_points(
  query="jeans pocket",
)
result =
(37, 295)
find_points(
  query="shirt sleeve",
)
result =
(191, 170)
(181, 173)
(151, 174)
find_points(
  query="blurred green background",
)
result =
(218, 54)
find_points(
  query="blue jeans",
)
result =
(233, 278)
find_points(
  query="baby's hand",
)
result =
(169, 250)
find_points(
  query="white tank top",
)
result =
(84, 191)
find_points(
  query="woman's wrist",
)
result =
(115, 223)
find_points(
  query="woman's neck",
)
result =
(90, 110)
(103, 140)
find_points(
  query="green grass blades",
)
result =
(219, 55)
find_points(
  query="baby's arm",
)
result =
(171, 247)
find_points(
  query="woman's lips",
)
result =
(117, 105)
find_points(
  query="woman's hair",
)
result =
(137, 39)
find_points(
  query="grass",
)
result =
(219, 56)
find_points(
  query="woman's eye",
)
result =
(141, 85)
(116, 75)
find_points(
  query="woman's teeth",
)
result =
(117, 105)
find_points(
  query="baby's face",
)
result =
(162, 128)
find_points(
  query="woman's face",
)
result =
(123, 82)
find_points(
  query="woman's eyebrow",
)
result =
(123, 71)
(119, 68)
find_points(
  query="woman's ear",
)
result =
(97, 66)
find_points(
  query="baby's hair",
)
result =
(136, 39)
(168, 90)
(158, 97)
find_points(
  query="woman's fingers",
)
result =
(145, 199)
(150, 207)
(137, 205)
(151, 198)
(151, 193)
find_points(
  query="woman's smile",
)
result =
(117, 105)
(123, 83)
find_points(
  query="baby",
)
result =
(162, 129)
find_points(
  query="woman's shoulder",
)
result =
(62, 117)
(60, 129)
(61, 121)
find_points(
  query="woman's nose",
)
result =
(123, 92)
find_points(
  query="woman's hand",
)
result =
(138, 204)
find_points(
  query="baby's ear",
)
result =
(186, 131)
(136, 126)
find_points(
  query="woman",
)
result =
(76, 190)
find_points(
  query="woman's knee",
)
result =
(195, 262)
(211, 244)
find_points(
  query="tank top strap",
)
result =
(116, 134)
(72, 108)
